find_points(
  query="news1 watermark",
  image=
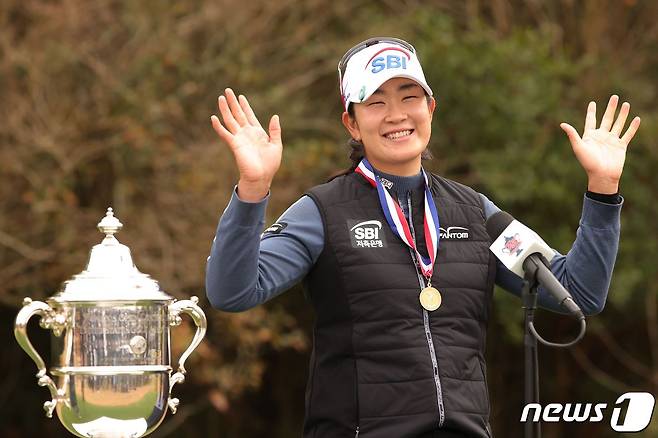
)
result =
(631, 412)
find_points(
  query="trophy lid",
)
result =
(111, 274)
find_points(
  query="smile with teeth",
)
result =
(398, 134)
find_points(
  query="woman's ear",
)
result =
(351, 125)
(431, 105)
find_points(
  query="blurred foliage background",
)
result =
(107, 102)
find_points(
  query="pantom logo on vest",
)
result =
(454, 233)
(366, 234)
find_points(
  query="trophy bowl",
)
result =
(110, 355)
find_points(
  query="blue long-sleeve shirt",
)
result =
(245, 268)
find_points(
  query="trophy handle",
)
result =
(175, 309)
(49, 320)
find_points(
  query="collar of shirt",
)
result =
(401, 185)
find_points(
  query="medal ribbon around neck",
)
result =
(398, 223)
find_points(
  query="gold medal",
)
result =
(430, 298)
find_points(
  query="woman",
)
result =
(396, 260)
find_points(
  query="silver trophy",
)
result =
(110, 344)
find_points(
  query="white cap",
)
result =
(370, 67)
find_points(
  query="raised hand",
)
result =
(602, 151)
(257, 153)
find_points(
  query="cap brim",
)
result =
(374, 86)
(383, 79)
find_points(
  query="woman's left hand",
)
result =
(602, 151)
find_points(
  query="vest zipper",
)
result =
(426, 323)
(356, 396)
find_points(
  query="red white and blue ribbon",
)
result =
(398, 223)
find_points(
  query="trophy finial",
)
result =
(109, 224)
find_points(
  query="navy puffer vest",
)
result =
(381, 366)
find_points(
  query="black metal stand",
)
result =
(532, 429)
(531, 370)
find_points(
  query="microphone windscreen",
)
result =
(497, 223)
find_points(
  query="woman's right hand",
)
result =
(257, 154)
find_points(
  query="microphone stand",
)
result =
(531, 429)
(531, 373)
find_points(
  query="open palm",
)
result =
(602, 151)
(257, 154)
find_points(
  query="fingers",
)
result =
(609, 115)
(227, 115)
(236, 111)
(630, 132)
(223, 133)
(590, 118)
(621, 119)
(574, 138)
(275, 130)
(235, 107)
(249, 113)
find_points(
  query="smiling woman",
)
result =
(394, 124)
(396, 260)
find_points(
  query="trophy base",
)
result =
(112, 402)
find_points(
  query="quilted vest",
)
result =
(382, 366)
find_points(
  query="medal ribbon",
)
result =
(398, 223)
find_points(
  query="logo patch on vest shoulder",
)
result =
(275, 228)
(454, 233)
(366, 234)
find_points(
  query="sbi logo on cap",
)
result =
(390, 61)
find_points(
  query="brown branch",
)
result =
(623, 356)
(598, 374)
(23, 248)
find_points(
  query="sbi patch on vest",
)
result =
(366, 233)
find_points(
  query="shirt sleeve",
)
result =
(246, 268)
(586, 270)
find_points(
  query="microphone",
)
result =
(521, 250)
